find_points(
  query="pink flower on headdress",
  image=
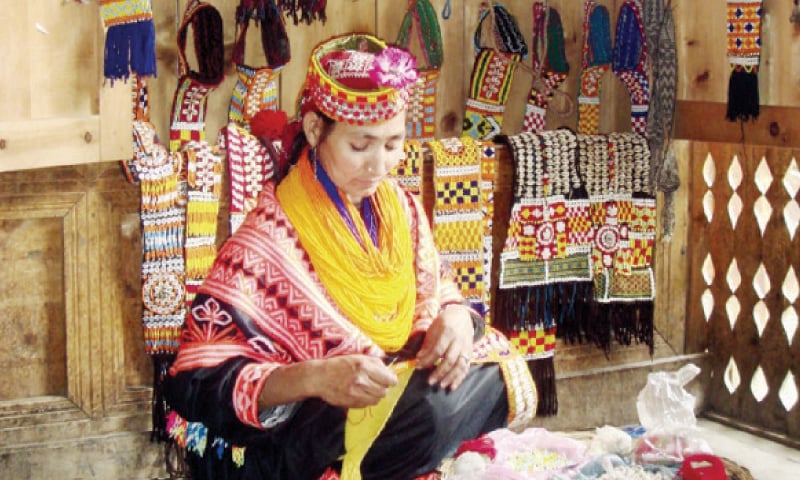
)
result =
(394, 67)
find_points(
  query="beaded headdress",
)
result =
(358, 79)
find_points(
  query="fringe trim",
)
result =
(633, 322)
(130, 47)
(543, 372)
(743, 94)
(160, 409)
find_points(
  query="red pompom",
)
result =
(268, 124)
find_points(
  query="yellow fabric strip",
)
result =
(365, 424)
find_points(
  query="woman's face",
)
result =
(358, 157)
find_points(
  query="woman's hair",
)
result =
(300, 142)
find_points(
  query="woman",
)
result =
(328, 340)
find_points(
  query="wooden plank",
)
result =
(49, 142)
(705, 121)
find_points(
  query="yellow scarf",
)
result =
(374, 287)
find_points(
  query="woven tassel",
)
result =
(130, 45)
(743, 101)
(544, 374)
(160, 409)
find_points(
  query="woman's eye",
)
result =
(357, 147)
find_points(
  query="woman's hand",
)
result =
(352, 381)
(448, 347)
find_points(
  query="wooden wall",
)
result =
(74, 400)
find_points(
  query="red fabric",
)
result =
(703, 466)
(351, 68)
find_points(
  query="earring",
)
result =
(312, 156)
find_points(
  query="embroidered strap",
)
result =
(549, 72)
(595, 63)
(744, 56)
(163, 217)
(630, 62)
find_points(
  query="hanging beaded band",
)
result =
(595, 63)
(492, 73)
(488, 175)
(744, 56)
(249, 167)
(204, 180)
(191, 96)
(130, 46)
(408, 172)
(550, 71)
(163, 217)
(421, 113)
(256, 88)
(458, 214)
(630, 62)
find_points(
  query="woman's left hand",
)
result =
(448, 347)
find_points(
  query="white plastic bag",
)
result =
(666, 411)
(664, 405)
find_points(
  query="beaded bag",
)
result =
(596, 61)
(630, 62)
(492, 73)
(550, 67)
(421, 113)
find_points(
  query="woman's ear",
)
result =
(312, 127)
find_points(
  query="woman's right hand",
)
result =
(352, 381)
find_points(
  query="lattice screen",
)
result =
(745, 263)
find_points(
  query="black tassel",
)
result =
(544, 374)
(743, 95)
(160, 409)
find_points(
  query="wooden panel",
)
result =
(76, 299)
(702, 53)
(705, 121)
(750, 338)
(33, 353)
(49, 142)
